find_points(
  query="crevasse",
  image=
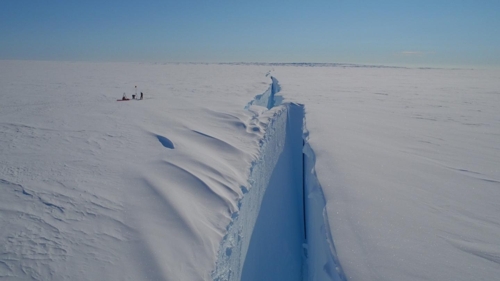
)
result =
(280, 231)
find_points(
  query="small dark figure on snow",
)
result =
(142, 95)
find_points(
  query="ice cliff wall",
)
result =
(275, 251)
(280, 231)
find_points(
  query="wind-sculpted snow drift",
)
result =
(280, 231)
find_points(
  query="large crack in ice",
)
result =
(280, 231)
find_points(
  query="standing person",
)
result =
(142, 95)
(135, 92)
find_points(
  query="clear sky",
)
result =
(402, 32)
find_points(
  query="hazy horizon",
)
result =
(410, 34)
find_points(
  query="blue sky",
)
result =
(423, 33)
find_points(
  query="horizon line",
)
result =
(297, 64)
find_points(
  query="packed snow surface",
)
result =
(399, 178)
(409, 162)
(96, 189)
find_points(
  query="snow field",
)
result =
(150, 189)
(96, 189)
(400, 169)
(408, 163)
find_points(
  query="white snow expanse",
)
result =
(248, 172)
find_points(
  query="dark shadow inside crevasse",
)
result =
(276, 246)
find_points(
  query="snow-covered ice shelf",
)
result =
(395, 177)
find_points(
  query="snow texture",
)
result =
(408, 163)
(395, 178)
(94, 189)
